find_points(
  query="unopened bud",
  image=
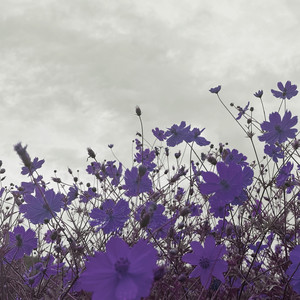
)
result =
(138, 111)
(23, 154)
(142, 170)
(91, 153)
(145, 220)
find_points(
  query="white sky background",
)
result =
(72, 72)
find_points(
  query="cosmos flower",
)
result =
(121, 272)
(136, 184)
(278, 130)
(225, 186)
(146, 158)
(284, 174)
(111, 216)
(242, 111)
(199, 140)
(20, 242)
(177, 134)
(294, 269)
(159, 134)
(215, 90)
(40, 207)
(288, 91)
(36, 164)
(259, 94)
(233, 156)
(274, 152)
(208, 261)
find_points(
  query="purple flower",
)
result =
(208, 261)
(147, 158)
(156, 220)
(114, 173)
(278, 130)
(36, 164)
(233, 156)
(41, 207)
(284, 174)
(88, 195)
(159, 134)
(287, 91)
(136, 184)
(20, 242)
(122, 272)
(227, 185)
(94, 168)
(215, 90)
(258, 94)
(177, 134)
(274, 152)
(72, 194)
(195, 137)
(242, 111)
(294, 269)
(111, 216)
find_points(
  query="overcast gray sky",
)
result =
(72, 71)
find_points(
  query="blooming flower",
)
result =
(242, 111)
(227, 185)
(20, 242)
(284, 174)
(199, 140)
(278, 130)
(294, 269)
(233, 156)
(136, 184)
(215, 90)
(159, 134)
(88, 195)
(122, 272)
(287, 91)
(146, 158)
(274, 152)
(36, 164)
(177, 134)
(111, 216)
(208, 261)
(258, 94)
(41, 207)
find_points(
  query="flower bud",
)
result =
(23, 154)
(142, 170)
(91, 153)
(138, 111)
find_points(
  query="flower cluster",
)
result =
(199, 222)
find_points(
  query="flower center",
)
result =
(109, 212)
(204, 263)
(224, 184)
(122, 266)
(19, 240)
(278, 128)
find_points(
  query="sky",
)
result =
(72, 72)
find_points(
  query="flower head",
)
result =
(121, 272)
(288, 91)
(215, 90)
(42, 206)
(20, 242)
(242, 111)
(258, 94)
(278, 130)
(177, 134)
(111, 216)
(208, 261)
(274, 152)
(159, 134)
(36, 164)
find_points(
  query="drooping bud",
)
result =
(23, 154)
(91, 153)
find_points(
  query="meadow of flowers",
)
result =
(218, 227)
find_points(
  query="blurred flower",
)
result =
(36, 164)
(120, 273)
(294, 269)
(146, 158)
(287, 91)
(88, 195)
(242, 111)
(233, 156)
(20, 242)
(215, 90)
(274, 152)
(258, 94)
(278, 130)
(134, 184)
(113, 172)
(42, 206)
(208, 261)
(111, 216)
